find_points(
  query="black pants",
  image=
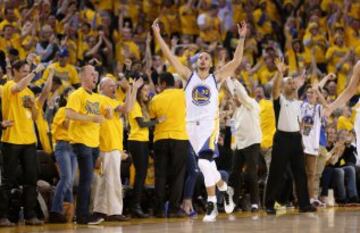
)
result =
(287, 149)
(140, 156)
(25, 156)
(246, 161)
(170, 167)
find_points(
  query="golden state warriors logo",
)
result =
(201, 95)
(92, 108)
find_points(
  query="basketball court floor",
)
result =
(331, 220)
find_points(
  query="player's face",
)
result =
(311, 96)
(204, 61)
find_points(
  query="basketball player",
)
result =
(345, 96)
(202, 118)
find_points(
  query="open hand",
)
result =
(242, 29)
(155, 26)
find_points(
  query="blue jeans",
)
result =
(326, 180)
(348, 173)
(66, 160)
(86, 157)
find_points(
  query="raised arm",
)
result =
(349, 90)
(23, 83)
(130, 97)
(240, 93)
(228, 69)
(276, 89)
(47, 87)
(183, 71)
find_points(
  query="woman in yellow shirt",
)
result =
(138, 145)
(66, 161)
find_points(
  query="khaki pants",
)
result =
(310, 168)
(108, 197)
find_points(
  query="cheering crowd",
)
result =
(176, 108)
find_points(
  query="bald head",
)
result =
(107, 87)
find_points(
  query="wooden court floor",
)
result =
(331, 220)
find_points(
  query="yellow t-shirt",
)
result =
(15, 43)
(319, 51)
(188, 20)
(212, 31)
(43, 130)
(264, 75)
(171, 104)
(333, 55)
(67, 74)
(22, 132)
(111, 130)
(58, 130)
(344, 123)
(267, 123)
(84, 132)
(124, 47)
(136, 132)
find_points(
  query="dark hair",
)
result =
(167, 78)
(18, 64)
(63, 97)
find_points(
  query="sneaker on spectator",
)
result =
(95, 220)
(254, 208)
(34, 222)
(4, 222)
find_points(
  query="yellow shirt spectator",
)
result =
(188, 20)
(111, 130)
(22, 132)
(171, 104)
(58, 127)
(333, 56)
(67, 74)
(86, 133)
(209, 27)
(136, 132)
(267, 123)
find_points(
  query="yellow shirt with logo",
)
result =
(67, 74)
(136, 132)
(171, 104)
(111, 130)
(267, 123)
(22, 132)
(84, 132)
(58, 130)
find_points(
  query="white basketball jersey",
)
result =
(202, 98)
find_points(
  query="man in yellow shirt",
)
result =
(63, 70)
(19, 142)
(108, 198)
(170, 144)
(210, 25)
(83, 110)
(267, 123)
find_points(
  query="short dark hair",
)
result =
(167, 78)
(18, 64)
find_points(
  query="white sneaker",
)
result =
(211, 212)
(229, 204)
